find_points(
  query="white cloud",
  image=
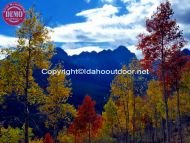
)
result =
(2, 56)
(7, 42)
(105, 11)
(107, 24)
(82, 49)
(94, 29)
(104, 25)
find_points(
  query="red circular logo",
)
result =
(14, 13)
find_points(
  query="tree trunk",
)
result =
(75, 137)
(166, 110)
(112, 127)
(89, 133)
(179, 117)
(26, 96)
(26, 123)
(141, 138)
(163, 131)
(133, 120)
(55, 132)
(118, 121)
(153, 134)
(164, 89)
(156, 125)
(127, 117)
(126, 121)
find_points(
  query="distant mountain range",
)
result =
(186, 52)
(106, 59)
(97, 86)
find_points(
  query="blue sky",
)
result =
(87, 25)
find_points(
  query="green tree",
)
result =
(13, 135)
(110, 118)
(121, 90)
(155, 106)
(185, 91)
(138, 86)
(33, 51)
(55, 104)
(185, 80)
